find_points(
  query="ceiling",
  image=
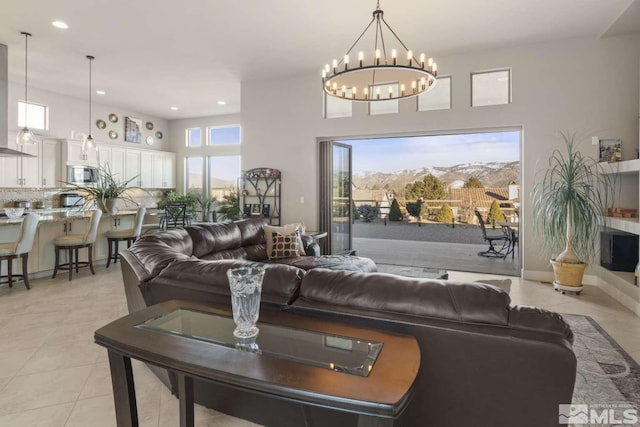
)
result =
(154, 54)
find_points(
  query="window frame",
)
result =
(45, 118)
(495, 70)
(450, 78)
(208, 135)
(187, 138)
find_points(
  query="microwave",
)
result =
(82, 175)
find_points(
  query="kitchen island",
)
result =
(57, 222)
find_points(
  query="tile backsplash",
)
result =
(51, 199)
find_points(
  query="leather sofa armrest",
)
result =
(311, 247)
(539, 319)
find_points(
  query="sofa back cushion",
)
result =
(379, 292)
(234, 240)
(201, 280)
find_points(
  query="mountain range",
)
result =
(492, 175)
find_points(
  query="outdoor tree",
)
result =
(444, 214)
(495, 213)
(473, 182)
(394, 212)
(414, 208)
(368, 212)
(229, 209)
(356, 214)
(429, 188)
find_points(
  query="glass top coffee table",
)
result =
(304, 359)
(342, 354)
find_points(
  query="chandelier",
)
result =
(378, 76)
(89, 144)
(25, 136)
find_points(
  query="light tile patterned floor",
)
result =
(52, 374)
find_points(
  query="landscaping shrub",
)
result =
(414, 208)
(444, 214)
(495, 214)
(368, 212)
(394, 211)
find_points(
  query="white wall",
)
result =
(590, 86)
(178, 141)
(69, 116)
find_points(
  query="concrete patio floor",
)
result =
(447, 256)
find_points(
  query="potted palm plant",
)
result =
(106, 191)
(568, 209)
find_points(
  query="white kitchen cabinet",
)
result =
(104, 156)
(117, 164)
(132, 167)
(48, 164)
(164, 170)
(72, 154)
(21, 171)
(146, 169)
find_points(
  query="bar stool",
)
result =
(74, 242)
(114, 237)
(19, 249)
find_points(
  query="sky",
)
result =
(396, 154)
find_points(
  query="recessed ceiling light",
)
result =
(174, 108)
(60, 24)
(101, 92)
(222, 103)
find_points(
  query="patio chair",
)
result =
(492, 236)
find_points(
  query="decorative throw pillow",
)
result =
(284, 246)
(286, 230)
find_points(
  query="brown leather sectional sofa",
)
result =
(484, 362)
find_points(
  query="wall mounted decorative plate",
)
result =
(101, 124)
(113, 134)
(149, 140)
(149, 125)
(113, 118)
(159, 135)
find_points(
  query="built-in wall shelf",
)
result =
(621, 286)
(626, 166)
(630, 225)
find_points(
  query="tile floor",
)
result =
(52, 374)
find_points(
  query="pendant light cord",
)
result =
(26, 75)
(90, 58)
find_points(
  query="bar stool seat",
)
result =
(72, 243)
(20, 249)
(114, 237)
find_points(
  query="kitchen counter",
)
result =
(63, 215)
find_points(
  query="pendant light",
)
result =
(25, 136)
(88, 144)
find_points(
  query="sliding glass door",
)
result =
(336, 196)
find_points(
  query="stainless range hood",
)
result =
(5, 151)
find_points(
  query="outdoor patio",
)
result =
(430, 245)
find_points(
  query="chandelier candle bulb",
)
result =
(434, 69)
(384, 67)
(344, 91)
